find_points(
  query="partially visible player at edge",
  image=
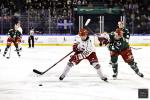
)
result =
(13, 37)
(83, 49)
(18, 25)
(118, 44)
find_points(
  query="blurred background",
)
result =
(68, 16)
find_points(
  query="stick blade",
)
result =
(37, 72)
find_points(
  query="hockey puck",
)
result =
(7, 57)
(40, 85)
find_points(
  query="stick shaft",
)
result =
(41, 73)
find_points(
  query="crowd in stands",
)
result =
(137, 11)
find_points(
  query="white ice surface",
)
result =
(18, 82)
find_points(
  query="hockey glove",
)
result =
(77, 49)
(102, 41)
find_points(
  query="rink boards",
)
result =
(57, 40)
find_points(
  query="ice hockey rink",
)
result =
(18, 82)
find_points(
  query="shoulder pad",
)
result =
(112, 33)
(11, 30)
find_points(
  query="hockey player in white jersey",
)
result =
(18, 26)
(83, 49)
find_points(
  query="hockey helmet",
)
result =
(83, 32)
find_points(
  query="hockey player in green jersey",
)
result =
(118, 44)
(13, 37)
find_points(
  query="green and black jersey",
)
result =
(14, 33)
(122, 43)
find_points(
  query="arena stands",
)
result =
(57, 16)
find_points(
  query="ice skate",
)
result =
(115, 75)
(140, 74)
(104, 79)
(62, 77)
(19, 55)
(3, 55)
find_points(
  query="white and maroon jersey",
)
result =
(87, 46)
(20, 30)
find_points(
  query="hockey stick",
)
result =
(136, 48)
(9, 53)
(41, 73)
(86, 26)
